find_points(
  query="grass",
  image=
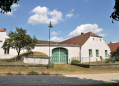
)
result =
(59, 69)
(99, 63)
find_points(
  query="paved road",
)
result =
(57, 80)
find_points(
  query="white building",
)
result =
(80, 47)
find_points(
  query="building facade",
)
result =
(85, 47)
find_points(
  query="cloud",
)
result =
(15, 5)
(85, 28)
(44, 16)
(69, 15)
(56, 39)
(55, 33)
(14, 8)
(102, 34)
(9, 13)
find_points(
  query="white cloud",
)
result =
(85, 28)
(42, 15)
(55, 33)
(15, 5)
(69, 15)
(56, 39)
(14, 8)
(102, 34)
(9, 13)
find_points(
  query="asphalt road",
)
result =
(57, 80)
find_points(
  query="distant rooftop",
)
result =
(47, 42)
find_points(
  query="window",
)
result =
(97, 53)
(106, 54)
(0, 40)
(93, 39)
(90, 52)
(6, 51)
(100, 39)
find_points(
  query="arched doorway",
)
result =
(60, 56)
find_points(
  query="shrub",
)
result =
(75, 61)
(107, 60)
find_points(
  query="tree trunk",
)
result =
(18, 56)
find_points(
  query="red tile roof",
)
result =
(113, 46)
(2, 30)
(79, 40)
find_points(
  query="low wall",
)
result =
(97, 66)
(23, 66)
(6, 56)
(36, 60)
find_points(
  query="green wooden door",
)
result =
(59, 56)
(55, 56)
(63, 56)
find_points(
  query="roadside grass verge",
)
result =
(99, 63)
(59, 69)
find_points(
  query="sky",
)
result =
(68, 17)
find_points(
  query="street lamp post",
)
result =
(50, 26)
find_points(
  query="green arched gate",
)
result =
(60, 56)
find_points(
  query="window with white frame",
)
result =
(106, 54)
(97, 53)
(90, 52)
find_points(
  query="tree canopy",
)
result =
(19, 40)
(35, 40)
(5, 5)
(115, 14)
(116, 52)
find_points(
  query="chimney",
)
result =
(110, 42)
(4, 29)
(82, 33)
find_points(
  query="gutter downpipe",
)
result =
(80, 54)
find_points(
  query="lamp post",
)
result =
(50, 26)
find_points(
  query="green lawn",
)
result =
(61, 69)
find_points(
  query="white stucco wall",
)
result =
(72, 51)
(94, 44)
(36, 60)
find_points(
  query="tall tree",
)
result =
(35, 40)
(5, 5)
(19, 40)
(115, 14)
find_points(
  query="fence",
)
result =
(30, 60)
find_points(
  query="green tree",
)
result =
(115, 14)
(35, 40)
(5, 5)
(19, 40)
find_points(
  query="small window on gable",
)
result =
(93, 39)
(90, 52)
(106, 54)
(100, 39)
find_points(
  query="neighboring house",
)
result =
(80, 47)
(47, 42)
(113, 46)
(5, 53)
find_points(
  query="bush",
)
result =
(75, 61)
(107, 60)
